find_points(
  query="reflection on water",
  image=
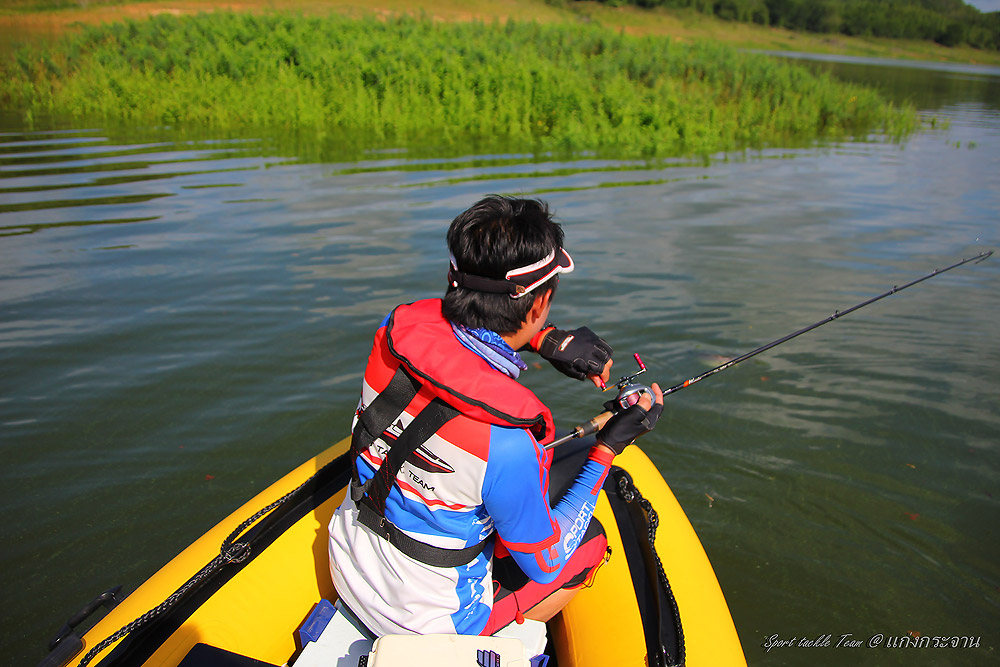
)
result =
(927, 85)
(182, 321)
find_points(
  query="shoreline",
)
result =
(26, 27)
(554, 87)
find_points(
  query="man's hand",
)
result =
(624, 427)
(579, 354)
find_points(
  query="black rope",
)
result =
(628, 491)
(230, 552)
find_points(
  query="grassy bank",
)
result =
(417, 82)
(38, 21)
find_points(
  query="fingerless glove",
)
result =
(578, 353)
(627, 425)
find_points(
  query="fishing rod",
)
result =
(629, 391)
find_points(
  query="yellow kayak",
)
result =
(245, 587)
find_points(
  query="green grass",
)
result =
(413, 82)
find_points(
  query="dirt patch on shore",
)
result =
(19, 28)
(38, 27)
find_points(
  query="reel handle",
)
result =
(627, 387)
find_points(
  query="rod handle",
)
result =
(594, 425)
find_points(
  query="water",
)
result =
(182, 322)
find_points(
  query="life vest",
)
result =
(417, 352)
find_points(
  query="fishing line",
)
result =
(836, 315)
(627, 384)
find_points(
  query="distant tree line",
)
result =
(948, 22)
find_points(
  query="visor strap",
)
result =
(480, 284)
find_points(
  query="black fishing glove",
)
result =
(627, 425)
(578, 353)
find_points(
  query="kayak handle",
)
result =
(67, 643)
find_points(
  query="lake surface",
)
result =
(183, 322)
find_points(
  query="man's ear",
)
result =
(540, 306)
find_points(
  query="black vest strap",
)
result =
(435, 415)
(370, 497)
(415, 549)
(377, 417)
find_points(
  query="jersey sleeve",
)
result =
(515, 490)
(540, 538)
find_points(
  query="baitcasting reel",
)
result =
(631, 392)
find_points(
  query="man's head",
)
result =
(505, 253)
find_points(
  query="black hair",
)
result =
(495, 235)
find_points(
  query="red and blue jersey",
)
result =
(482, 473)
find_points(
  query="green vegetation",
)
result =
(947, 22)
(412, 82)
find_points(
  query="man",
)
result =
(450, 480)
